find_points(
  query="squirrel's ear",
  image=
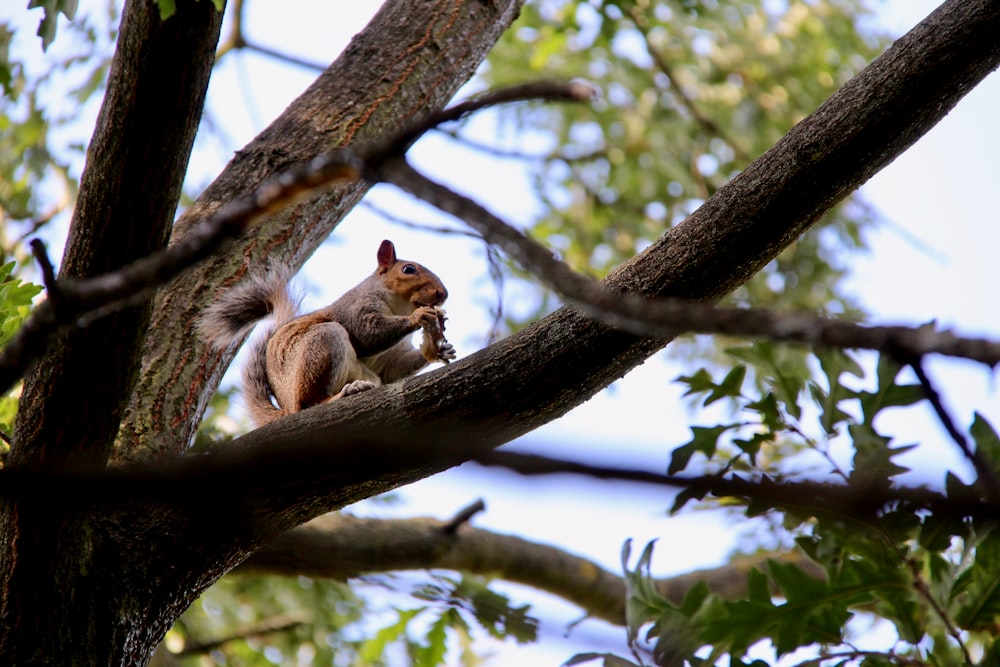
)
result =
(386, 255)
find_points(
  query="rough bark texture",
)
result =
(72, 402)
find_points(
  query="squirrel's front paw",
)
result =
(425, 317)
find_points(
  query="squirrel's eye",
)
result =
(409, 269)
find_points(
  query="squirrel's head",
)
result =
(412, 282)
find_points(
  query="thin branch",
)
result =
(669, 317)
(48, 271)
(987, 476)
(552, 91)
(283, 57)
(463, 517)
(924, 591)
(231, 485)
(236, 40)
(268, 626)
(857, 502)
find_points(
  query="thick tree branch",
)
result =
(155, 93)
(72, 401)
(339, 546)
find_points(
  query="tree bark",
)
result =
(53, 606)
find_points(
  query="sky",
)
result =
(933, 258)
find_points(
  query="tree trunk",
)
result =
(54, 596)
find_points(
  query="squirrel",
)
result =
(358, 342)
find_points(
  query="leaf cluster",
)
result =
(929, 575)
(224, 627)
(37, 152)
(691, 93)
(427, 635)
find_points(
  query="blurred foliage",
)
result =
(692, 91)
(268, 620)
(41, 138)
(15, 303)
(920, 576)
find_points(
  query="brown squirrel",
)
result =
(356, 343)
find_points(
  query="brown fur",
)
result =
(359, 341)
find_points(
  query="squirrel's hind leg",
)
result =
(311, 362)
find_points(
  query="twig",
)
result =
(540, 90)
(858, 502)
(463, 517)
(921, 586)
(985, 472)
(268, 626)
(237, 40)
(48, 271)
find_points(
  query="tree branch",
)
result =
(985, 472)
(145, 130)
(340, 546)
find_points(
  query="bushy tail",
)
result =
(231, 318)
(234, 313)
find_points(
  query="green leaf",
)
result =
(704, 439)
(873, 464)
(435, 647)
(643, 602)
(496, 614)
(767, 408)
(785, 378)
(685, 496)
(987, 442)
(167, 8)
(52, 8)
(977, 591)
(700, 382)
(888, 394)
(373, 649)
(730, 386)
